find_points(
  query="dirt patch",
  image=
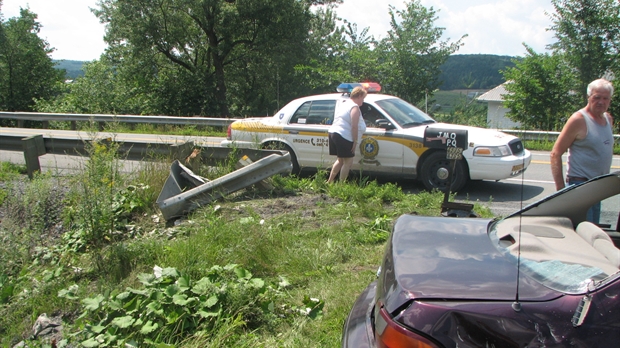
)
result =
(304, 205)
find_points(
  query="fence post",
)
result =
(34, 147)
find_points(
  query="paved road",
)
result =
(535, 184)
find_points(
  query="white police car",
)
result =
(393, 143)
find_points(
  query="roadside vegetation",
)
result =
(256, 269)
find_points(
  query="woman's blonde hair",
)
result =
(358, 92)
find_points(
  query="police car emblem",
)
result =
(369, 147)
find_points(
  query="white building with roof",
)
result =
(496, 114)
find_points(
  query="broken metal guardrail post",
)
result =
(183, 191)
(33, 147)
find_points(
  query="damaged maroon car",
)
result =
(541, 277)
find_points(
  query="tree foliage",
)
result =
(540, 91)
(336, 54)
(99, 92)
(247, 57)
(26, 71)
(588, 34)
(412, 52)
(207, 45)
(548, 88)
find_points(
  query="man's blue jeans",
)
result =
(594, 213)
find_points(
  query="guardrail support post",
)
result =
(181, 151)
(34, 147)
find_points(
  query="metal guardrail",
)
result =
(76, 147)
(532, 135)
(38, 145)
(183, 192)
(46, 117)
(540, 135)
(205, 121)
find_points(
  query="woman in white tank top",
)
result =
(345, 132)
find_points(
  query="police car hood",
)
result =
(476, 135)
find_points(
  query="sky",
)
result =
(493, 26)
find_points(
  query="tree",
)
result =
(208, 44)
(548, 88)
(412, 52)
(588, 33)
(540, 87)
(26, 71)
(334, 52)
(100, 91)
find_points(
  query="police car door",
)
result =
(307, 131)
(379, 150)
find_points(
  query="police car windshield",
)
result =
(403, 113)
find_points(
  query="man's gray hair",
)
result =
(600, 84)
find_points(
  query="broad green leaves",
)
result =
(172, 307)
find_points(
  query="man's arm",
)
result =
(572, 131)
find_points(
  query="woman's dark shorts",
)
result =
(339, 146)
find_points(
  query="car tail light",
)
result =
(390, 334)
(229, 133)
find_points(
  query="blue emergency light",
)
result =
(370, 87)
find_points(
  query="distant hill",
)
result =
(473, 71)
(72, 67)
(460, 71)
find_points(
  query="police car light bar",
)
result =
(370, 87)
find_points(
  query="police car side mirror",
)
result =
(385, 124)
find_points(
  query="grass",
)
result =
(283, 267)
(9, 172)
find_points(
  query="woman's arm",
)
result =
(355, 120)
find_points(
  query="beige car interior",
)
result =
(543, 238)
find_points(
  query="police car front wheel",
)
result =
(435, 169)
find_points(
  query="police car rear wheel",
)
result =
(434, 172)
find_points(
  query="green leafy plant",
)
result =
(128, 201)
(325, 240)
(6, 289)
(171, 307)
(10, 171)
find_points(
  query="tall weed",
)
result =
(33, 218)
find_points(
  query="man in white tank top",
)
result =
(588, 137)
